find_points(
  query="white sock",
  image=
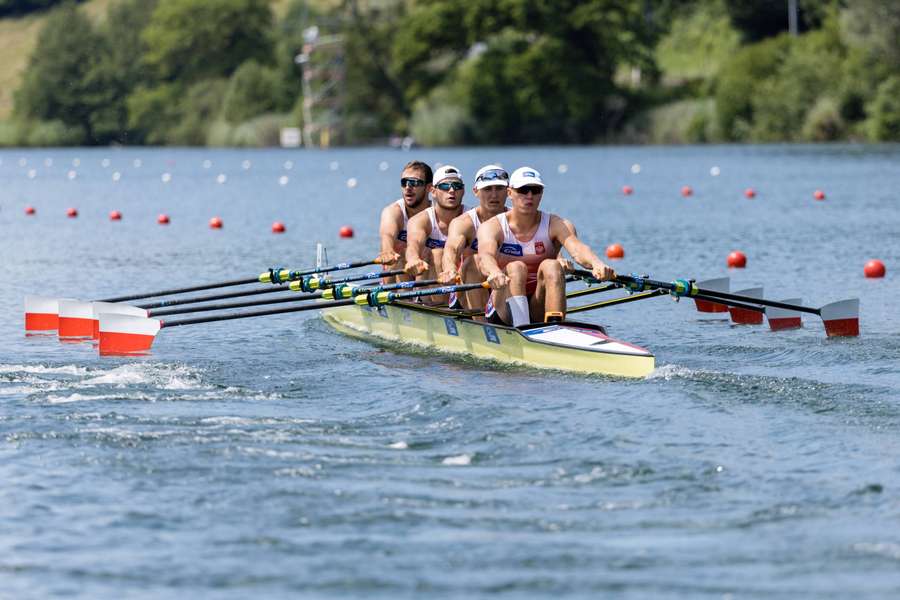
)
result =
(518, 308)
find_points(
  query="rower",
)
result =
(415, 184)
(519, 255)
(460, 258)
(427, 231)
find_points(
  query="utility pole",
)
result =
(792, 17)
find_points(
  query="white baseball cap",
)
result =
(446, 172)
(489, 175)
(525, 176)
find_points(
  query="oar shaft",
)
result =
(211, 297)
(185, 290)
(229, 305)
(257, 313)
(615, 301)
(713, 295)
(734, 303)
(593, 290)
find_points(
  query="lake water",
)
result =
(276, 458)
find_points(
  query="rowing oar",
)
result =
(130, 334)
(841, 319)
(79, 320)
(42, 312)
(615, 301)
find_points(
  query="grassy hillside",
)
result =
(18, 37)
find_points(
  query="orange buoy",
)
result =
(750, 193)
(72, 213)
(874, 269)
(627, 190)
(163, 219)
(819, 195)
(346, 231)
(215, 223)
(115, 215)
(686, 191)
(29, 210)
(615, 251)
(737, 260)
(278, 227)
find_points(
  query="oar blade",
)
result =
(841, 318)
(76, 320)
(113, 308)
(782, 318)
(41, 314)
(127, 334)
(720, 284)
(743, 316)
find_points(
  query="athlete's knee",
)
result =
(517, 270)
(551, 270)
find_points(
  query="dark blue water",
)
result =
(276, 458)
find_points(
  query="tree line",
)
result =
(228, 72)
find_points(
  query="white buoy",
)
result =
(715, 171)
(246, 165)
(221, 178)
(283, 180)
(76, 162)
(635, 168)
(563, 168)
(166, 177)
(333, 165)
(32, 173)
(71, 174)
(116, 176)
(288, 165)
(383, 166)
(351, 183)
(137, 163)
(207, 164)
(48, 162)
(104, 163)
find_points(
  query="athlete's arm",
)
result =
(417, 230)
(391, 224)
(563, 233)
(490, 237)
(459, 235)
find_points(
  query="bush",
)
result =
(824, 122)
(261, 131)
(438, 123)
(201, 106)
(698, 42)
(252, 91)
(682, 122)
(54, 133)
(883, 124)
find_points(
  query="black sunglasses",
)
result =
(493, 175)
(448, 185)
(530, 189)
(411, 182)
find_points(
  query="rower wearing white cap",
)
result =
(460, 258)
(427, 231)
(415, 183)
(519, 255)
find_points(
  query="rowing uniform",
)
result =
(476, 223)
(436, 239)
(532, 252)
(400, 240)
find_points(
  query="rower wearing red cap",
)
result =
(460, 258)
(519, 255)
(415, 183)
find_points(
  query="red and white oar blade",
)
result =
(114, 308)
(743, 316)
(782, 318)
(127, 334)
(721, 284)
(41, 314)
(76, 320)
(841, 318)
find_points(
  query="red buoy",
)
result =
(215, 223)
(874, 269)
(737, 260)
(750, 193)
(615, 251)
(163, 219)
(819, 195)
(115, 215)
(29, 210)
(686, 191)
(346, 231)
(627, 190)
(278, 227)
(72, 213)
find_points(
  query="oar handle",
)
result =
(380, 298)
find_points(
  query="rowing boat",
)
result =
(567, 346)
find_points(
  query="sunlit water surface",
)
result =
(275, 458)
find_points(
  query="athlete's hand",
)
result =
(566, 264)
(416, 268)
(449, 276)
(603, 272)
(498, 280)
(388, 258)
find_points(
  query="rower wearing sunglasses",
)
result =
(460, 258)
(519, 255)
(427, 231)
(415, 184)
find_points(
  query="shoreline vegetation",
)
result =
(447, 72)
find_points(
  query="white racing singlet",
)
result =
(436, 239)
(400, 240)
(532, 252)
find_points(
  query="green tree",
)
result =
(63, 81)
(252, 91)
(189, 40)
(884, 122)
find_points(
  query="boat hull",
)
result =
(574, 347)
